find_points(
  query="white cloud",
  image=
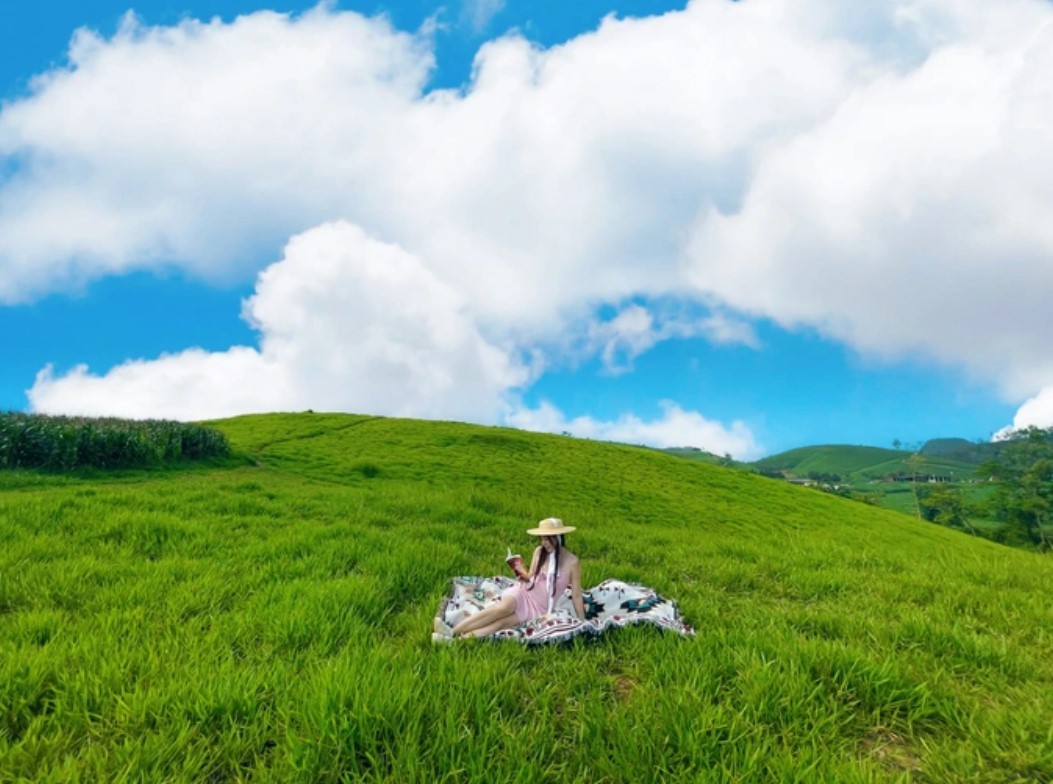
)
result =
(721, 329)
(676, 427)
(879, 170)
(914, 220)
(1036, 412)
(624, 337)
(479, 13)
(192, 384)
(346, 323)
(202, 145)
(635, 329)
(558, 179)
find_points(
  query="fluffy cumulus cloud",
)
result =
(675, 427)
(916, 218)
(1036, 412)
(557, 179)
(346, 323)
(878, 170)
(202, 145)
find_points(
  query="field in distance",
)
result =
(268, 620)
(884, 477)
(856, 464)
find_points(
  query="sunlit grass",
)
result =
(271, 622)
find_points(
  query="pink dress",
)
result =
(532, 600)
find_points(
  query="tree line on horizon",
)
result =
(1022, 499)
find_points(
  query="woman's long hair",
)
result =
(555, 572)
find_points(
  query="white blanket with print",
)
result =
(612, 603)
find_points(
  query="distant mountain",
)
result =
(839, 459)
(960, 449)
(952, 458)
(865, 463)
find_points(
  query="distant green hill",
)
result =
(269, 619)
(861, 463)
(961, 450)
(832, 458)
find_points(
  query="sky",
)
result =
(741, 226)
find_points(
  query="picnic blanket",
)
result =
(612, 603)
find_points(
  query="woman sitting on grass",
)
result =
(552, 570)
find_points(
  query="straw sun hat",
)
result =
(551, 526)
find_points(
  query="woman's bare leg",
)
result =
(505, 622)
(503, 607)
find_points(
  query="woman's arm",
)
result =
(575, 590)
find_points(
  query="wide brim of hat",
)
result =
(563, 529)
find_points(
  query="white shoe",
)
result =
(441, 627)
(442, 639)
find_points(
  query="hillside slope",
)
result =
(862, 463)
(832, 458)
(270, 621)
(961, 450)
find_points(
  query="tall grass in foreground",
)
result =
(58, 443)
(271, 623)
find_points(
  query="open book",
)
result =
(515, 562)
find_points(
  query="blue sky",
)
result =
(735, 226)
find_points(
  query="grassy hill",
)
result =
(701, 456)
(962, 450)
(862, 463)
(267, 619)
(832, 458)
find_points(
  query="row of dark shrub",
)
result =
(57, 443)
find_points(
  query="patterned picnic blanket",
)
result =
(612, 603)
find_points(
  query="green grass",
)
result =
(269, 621)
